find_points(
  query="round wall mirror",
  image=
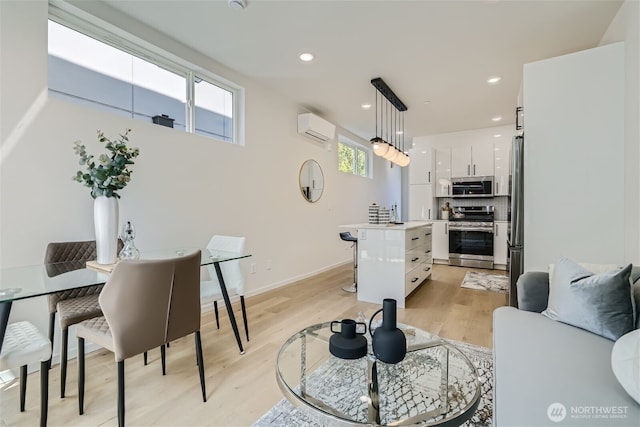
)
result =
(311, 181)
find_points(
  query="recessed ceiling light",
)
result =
(496, 118)
(494, 80)
(399, 132)
(366, 106)
(306, 57)
(427, 102)
(497, 135)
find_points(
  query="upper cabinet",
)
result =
(421, 167)
(474, 160)
(502, 167)
(442, 172)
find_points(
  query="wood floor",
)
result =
(242, 388)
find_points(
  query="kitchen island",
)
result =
(393, 260)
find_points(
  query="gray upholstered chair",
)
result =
(231, 272)
(74, 305)
(146, 304)
(24, 344)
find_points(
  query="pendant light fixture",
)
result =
(393, 148)
(379, 145)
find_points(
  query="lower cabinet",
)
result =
(440, 240)
(393, 261)
(500, 248)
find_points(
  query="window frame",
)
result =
(91, 26)
(344, 140)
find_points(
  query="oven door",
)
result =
(471, 246)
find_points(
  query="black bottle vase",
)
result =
(389, 343)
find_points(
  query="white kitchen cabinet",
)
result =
(442, 172)
(440, 240)
(392, 260)
(421, 202)
(500, 248)
(502, 167)
(421, 166)
(474, 160)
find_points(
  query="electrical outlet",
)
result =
(253, 268)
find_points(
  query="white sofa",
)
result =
(548, 373)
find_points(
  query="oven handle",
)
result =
(481, 229)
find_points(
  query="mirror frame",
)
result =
(306, 190)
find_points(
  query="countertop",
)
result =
(406, 226)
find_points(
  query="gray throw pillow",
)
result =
(599, 303)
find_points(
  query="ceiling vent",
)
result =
(315, 127)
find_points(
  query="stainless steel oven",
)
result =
(471, 237)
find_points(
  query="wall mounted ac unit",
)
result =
(315, 127)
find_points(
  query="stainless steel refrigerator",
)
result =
(515, 238)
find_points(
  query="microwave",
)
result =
(472, 186)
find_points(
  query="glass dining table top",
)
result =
(435, 384)
(18, 283)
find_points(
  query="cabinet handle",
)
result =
(496, 189)
(427, 234)
(427, 269)
(496, 231)
(429, 179)
(446, 226)
(468, 170)
(427, 251)
(415, 259)
(448, 190)
(414, 238)
(429, 214)
(474, 170)
(414, 280)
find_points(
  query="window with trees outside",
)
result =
(352, 157)
(112, 74)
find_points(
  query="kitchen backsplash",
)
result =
(501, 205)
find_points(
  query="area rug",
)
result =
(285, 414)
(486, 282)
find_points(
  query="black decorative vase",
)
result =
(347, 343)
(389, 343)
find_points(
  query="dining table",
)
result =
(20, 283)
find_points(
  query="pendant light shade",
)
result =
(379, 146)
(404, 161)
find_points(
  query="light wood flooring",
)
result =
(241, 388)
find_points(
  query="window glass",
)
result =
(352, 157)
(88, 71)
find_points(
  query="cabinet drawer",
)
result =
(413, 258)
(413, 239)
(414, 278)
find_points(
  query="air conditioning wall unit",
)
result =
(315, 127)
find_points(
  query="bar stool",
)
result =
(24, 344)
(348, 237)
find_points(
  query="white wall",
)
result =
(467, 137)
(574, 165)
(625, 27)
(184, 187)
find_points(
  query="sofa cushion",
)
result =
(539, 362)
(599, 303)
(625, 362)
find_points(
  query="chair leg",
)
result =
(44, 392)
(23, 386)
(145, 358)
(52, 325)
(244, 316)
(81, 376)
(215, 310)
(200, 365)
(63, 361)
(163, 357)
(121, 393)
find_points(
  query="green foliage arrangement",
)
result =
(111, 172)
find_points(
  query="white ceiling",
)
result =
(437, 51)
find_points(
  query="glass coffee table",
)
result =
(435, 384)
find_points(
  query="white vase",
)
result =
(105, 218)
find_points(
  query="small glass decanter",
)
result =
(127, 235)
